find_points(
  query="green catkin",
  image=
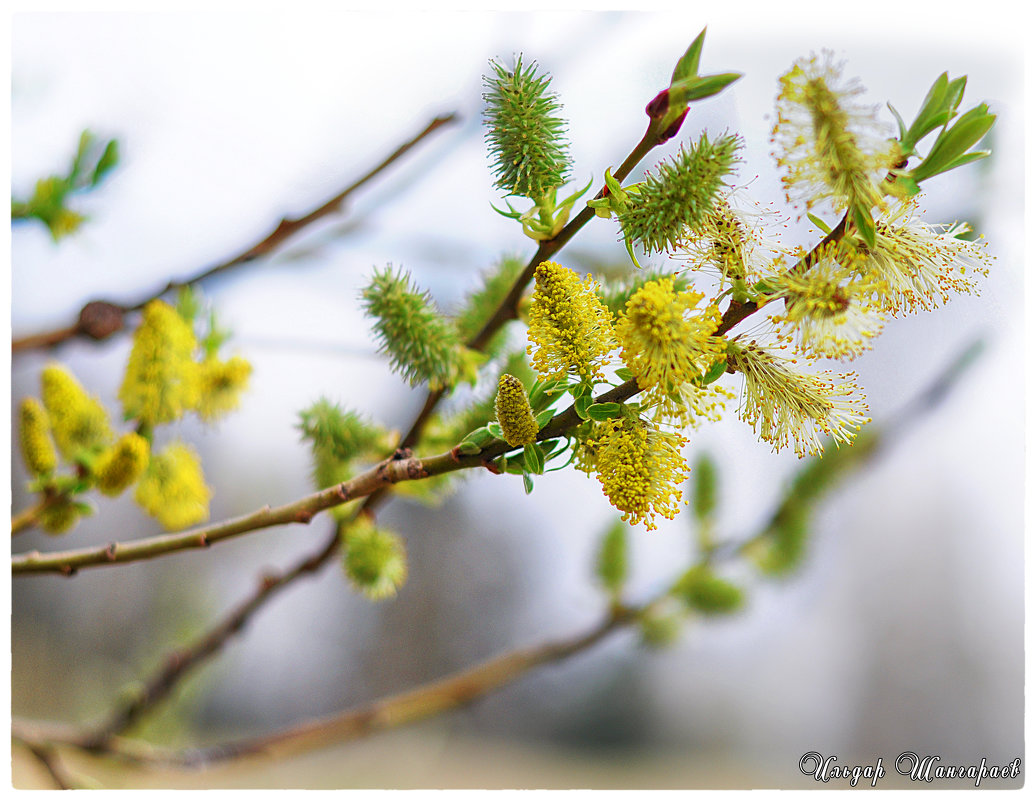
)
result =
(524, 135)
(672, 203)
(420, 344)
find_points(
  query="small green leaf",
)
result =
(715, 372)
(687, 66)
(534, 458)
(582, 403)
(544, 393)
(495, 430)
(544, 417)
(479, 437)
(954, 143)
(899, 124)
(527, 482)
(603, 411)
(823, 226)
(109, 159)
(624, 374)
(864, 224)
(691, 89)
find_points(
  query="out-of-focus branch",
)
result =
(421, 702)
(99, 319)
(391, 471)
(453, 691)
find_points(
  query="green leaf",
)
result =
(624, 374)
(527, 483)
(687, 66)
(109, 159)
(544, 417)
(544, 393)
(714, 372)
(603, 411)
(534, 458)
(495, 430)
(582, 403)
(687, 91)
(479, 437)
(823, 226)
(954, 143)
(864, 224)
(86, 139)
(899, 124)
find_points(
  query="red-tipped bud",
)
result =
(657, 108)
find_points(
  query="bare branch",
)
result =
(99, 319)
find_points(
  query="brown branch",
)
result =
(453, 691)
(100, 319)
(439, 696)
(177, 664)
(48, 759)
(27, 518)
(391, 471)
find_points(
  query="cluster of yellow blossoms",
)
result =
(834, 300)
(165, 378)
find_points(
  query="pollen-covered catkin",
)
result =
(34, 436)
(514, 413)
(122, 464)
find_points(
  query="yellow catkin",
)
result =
(59, 515)
(34, 436)
(220, 384)
(640, 469)
(161, 381)
(514, 413)
(375, 559)
(77, 420)
(570, 329)
(122, 464)
(172, 489)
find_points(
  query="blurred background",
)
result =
(904, 629)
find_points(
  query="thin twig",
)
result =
(27, 518)
(48, 759)
(436, 697)
(389, 472)
(450, 692)
(100, 319)
(178, 663)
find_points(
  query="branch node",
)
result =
(99, 319)
(67, 570)
(109, 552)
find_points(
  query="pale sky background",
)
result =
(903, 630)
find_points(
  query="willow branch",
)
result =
(100, 319)
(48, 759)
(178, 663)
(450, 692)
(391, 471)
(439, 696)
(27, 518)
